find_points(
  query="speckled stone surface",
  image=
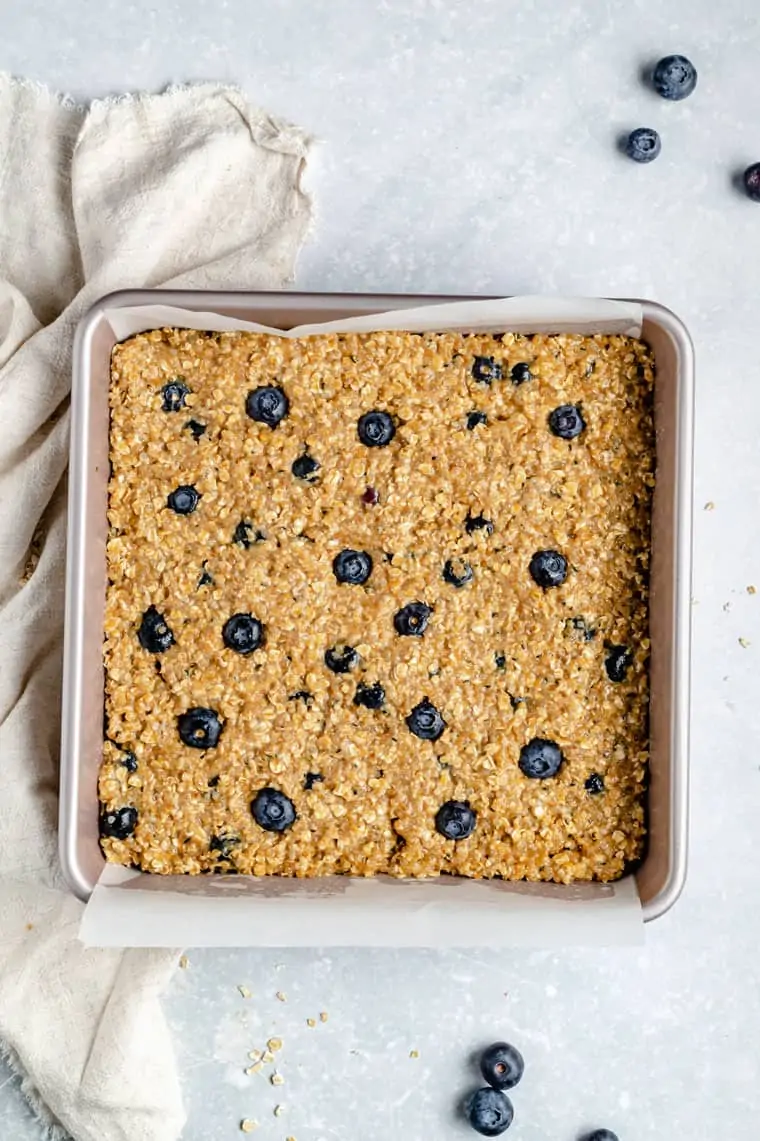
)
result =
(471, 147)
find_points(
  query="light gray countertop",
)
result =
(470, 147)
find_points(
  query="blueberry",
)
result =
(490, 1112)
(205, 579)
(455, 820)
(154, 634)
(540, 759)
(520, 373)
(223, 845)
(302, 695)
(594, 784)
(118, 824)
(267, 404)
(273, 810)
(485, 370)
(310, 779)
(305, 467)
(600, 1135)
(242, 633)
(475, 418)
(502, 1065)
(580, 629)
(341, 659)
(196, 428)
(129, 760)
(352, 567)
(242, 535)
(674, 77)
(183, 500)
(752, 181)
(457, 572)
(566, 421)
(478, 523)
(643, 144)
(376, 429)
(425, 721)
(199, 728)
(412, 619)
(500, 660)
(370, 696)
(371, 497)
(174, 394)
(548, 568)
(617, 662)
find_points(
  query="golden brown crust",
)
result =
(502, 659)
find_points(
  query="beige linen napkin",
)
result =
(193, 188)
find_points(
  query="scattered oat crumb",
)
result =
(275, 1044)
(282, 997)
(744, 643)
(30, 927)
(323, 1016)
(254, 1055)
(311, 1022)
(290, 1139)
(414, 1053)
(244, 991)
(709, 506)
(248, 1126)
(751, 590)
(277, 1079)
(255, 1068)
(279, 1110)
(268, 1057)
(184, 962)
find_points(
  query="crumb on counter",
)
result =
(183, 962)
(247, 1125)
(244, 991)
(323, 1016)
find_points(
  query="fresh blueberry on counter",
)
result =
(600, 1135)
(566, 421)
(617, 662)
(752, 181)
(305, 467)
(502, 1065)
(242, 633)
(478, 523)
(412, 619)
(643, 144)
(370, 696)
(674, 77)
(490, 1112)
(485, 370)
(520, 373)
(200, 728)
(352, 567)
(267, 404)
(376, 429)
(540, 759)
(475, 418)
(425, 721)
(154, 634)
(341, 659)
(457, 572)
(273, 810)
(548, 569)
(594, 784)
(119, 824)
(174, 394)
(183, 500)
(455, 820)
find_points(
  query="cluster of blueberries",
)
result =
(674, 78)
(201, 728)
(488, 1110)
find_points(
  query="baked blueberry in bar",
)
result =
(377, 603)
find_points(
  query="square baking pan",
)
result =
(661, 875)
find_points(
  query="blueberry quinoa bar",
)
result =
(378, 603)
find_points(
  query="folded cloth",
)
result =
(188, 188)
